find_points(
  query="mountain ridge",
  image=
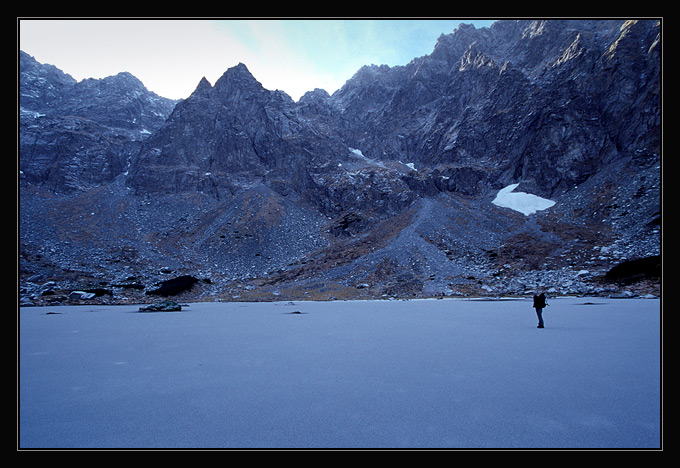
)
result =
(382, 189)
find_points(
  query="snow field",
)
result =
(424, 373)
(525, 203)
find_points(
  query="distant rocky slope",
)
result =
(384, 189)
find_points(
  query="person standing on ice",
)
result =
(539, 305)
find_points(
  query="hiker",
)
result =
(539, 305)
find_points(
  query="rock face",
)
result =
(528, 100)
(388, 183)
(78, 135)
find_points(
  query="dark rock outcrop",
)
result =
(162, 306)
(174, 286)
(640, 269)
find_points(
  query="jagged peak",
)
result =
(462, 27)
(372, 69)
(203, 86)
(124, 80)
(241, 67)
(451, 46)
(237, 76)
(315, 95)
(239, 70)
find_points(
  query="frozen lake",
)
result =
(377, 374)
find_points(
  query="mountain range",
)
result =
(409, 181)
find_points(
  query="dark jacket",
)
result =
(539, 301)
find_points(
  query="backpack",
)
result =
(539, 301)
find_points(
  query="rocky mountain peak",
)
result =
(76, 135)
(450, 47)
(203, 88)
(41, 86)
(237, 83)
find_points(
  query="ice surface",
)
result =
(525, 203)
(424, 373)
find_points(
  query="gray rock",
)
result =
(162, 306)
(80, 295)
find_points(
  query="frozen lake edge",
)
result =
(448, 373)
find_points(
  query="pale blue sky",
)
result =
(171, 56)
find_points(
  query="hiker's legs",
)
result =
(539, 313)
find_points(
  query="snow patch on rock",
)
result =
(525, 203)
